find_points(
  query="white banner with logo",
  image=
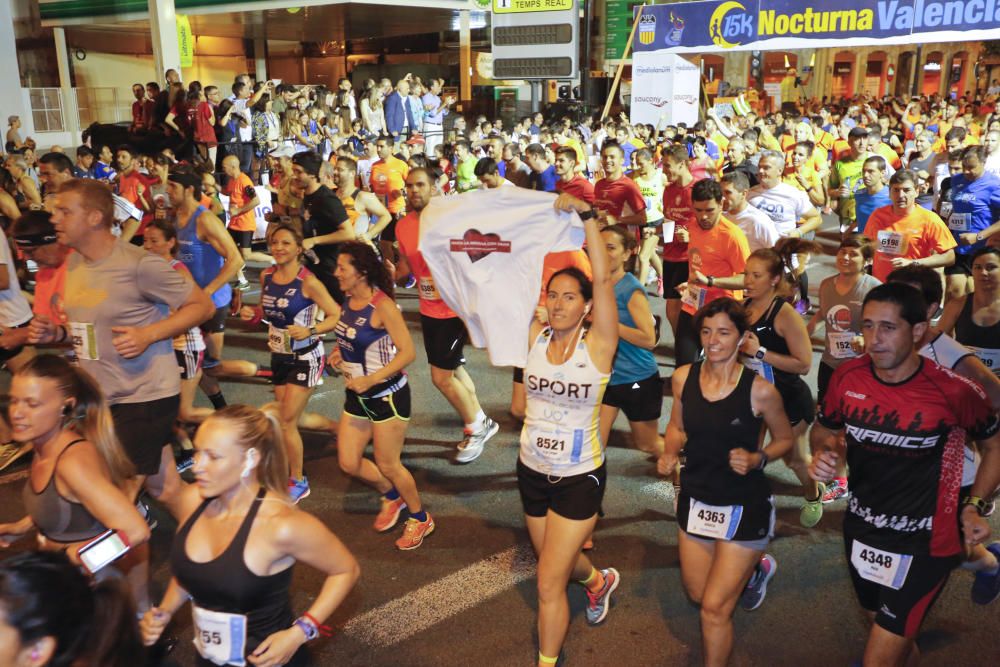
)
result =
(262, 210)
(664, 89)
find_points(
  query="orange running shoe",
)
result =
(415, 532)
(388, 516)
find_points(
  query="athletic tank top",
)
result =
(632, 363)
(366, 349)
(358, 223)
(984, 341)
(713, 429)
(201, 259)
(283, 306)
(191, 340)
(226, 584)
(773, 341)
(58, 519)
(561, 435)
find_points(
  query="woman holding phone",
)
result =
(75, 489)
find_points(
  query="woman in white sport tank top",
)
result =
(560, 469)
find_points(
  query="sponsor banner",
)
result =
(664, 89)
(784, 24)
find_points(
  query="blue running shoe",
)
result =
(986, 587)
(753, 595)
(298, 489)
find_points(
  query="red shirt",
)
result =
(579, 187)
(408, 236)
(204, 132)
(620, 197)
(677, 207)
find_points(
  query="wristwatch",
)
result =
(977, 502)
(759, 354)
(313, 331)
(979, 236)
(710, 281)
(587, 215)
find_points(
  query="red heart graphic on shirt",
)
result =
(478, 245)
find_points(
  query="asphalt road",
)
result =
(467, 596)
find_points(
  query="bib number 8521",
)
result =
(550, 443)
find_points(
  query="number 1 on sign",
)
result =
(501, 4)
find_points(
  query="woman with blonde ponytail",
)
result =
(240, 534)
(76, 486)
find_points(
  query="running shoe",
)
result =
(599, 603)
(243, 285)
(414, 533)
(812, 510)
(12, 451)
(411, 281)
(472, 446)
(836, 490)
(588, 544)
(986, 587)
(388, 516)
(753, 595)
(298, 489)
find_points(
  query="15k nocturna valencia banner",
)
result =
(782, 24)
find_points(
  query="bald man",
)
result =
(242, 202)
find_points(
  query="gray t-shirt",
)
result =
(841, 315)
(128, 288)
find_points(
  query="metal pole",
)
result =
(917, 69)
(585, 84)
(621, 65)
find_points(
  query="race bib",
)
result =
(84, 335)
(840, 344)
(716, 521)
(278, 341)
(219, 637)
(694, 296)
(760, 367)
(959, 222)
(556, 446)
(989, 356)
(891, 243)
(880, 567)
(428, 292)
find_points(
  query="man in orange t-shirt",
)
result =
(444, 332)
(35, 237)
(717, 257)
(388, 180)
(904, 233)
(243, 202)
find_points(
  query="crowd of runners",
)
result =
(124, 264)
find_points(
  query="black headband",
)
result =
(35, 240)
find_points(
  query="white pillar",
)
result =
(15, 99)
(163, 27)
(260, 58)
(70, 107)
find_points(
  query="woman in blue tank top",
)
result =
(290, 298)
(373, 348)
(635, 384)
